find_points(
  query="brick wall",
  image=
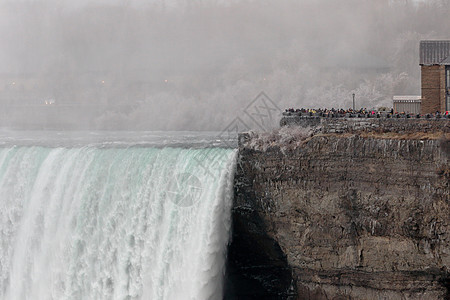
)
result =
(433, 89)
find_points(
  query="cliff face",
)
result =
(343, 217)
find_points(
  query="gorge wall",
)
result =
(350, 215)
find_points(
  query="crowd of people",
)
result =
(361, 113)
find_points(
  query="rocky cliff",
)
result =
(346, 215)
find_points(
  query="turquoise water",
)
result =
(114, 223)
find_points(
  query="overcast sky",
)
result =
(197, 64)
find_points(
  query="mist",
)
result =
(172, 65)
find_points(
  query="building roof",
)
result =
(435, 52)
(407, 98)
(446, 61)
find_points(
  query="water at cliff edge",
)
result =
(93, 220)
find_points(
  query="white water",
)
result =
(108, 223)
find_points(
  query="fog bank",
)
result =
(165, 65)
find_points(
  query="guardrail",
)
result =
(378, 115)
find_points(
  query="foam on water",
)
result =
(114, 223)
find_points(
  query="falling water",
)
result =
(114, 223)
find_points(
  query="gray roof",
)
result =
(446, 61)
(435, 52)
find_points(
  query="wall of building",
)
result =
(433, 89)
(409, 107)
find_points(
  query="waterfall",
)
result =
(114, 223)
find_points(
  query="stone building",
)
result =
(435, 69)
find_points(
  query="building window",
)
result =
(447, 92)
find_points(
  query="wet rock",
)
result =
(343, 217)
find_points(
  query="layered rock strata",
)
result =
(343, 216)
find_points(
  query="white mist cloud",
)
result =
(194, 65)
